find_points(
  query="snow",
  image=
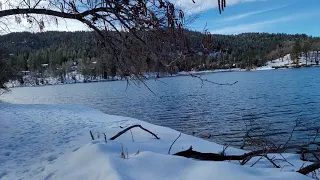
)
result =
(286, 61)
(77, 77)
(53, 142)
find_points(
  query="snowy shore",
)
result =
(76, 77)
(53, 142)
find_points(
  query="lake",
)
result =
(273, 99)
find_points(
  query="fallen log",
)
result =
(308, 169)
(190, 153)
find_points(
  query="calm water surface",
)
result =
(274, 99)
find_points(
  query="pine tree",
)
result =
(295, 54)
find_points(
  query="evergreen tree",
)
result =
(296, 50)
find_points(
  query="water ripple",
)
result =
(273, 99)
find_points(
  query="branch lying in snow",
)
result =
(266, 157)
(105, 137)
(173, 143)
(308, 169)
(128, 128)
(220, 157)
(131, 135)
(245, 157)
(92, 137)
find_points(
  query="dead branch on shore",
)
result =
(271, 160)
(308, 169)
(224, 148)
(264, 147)
(92, 137)
(134, 126)
(173, 143)
(131, 136)
(190, 153)
(105, 137)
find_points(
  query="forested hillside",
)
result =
(57, 53)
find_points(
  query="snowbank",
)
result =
(53, 142)
(287, 62)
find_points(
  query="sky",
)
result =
(240, 16)
(272, 16)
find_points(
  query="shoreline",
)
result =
(71, 154)
(182, 73)
(149, 77)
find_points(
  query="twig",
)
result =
(302, 165)
(127, 83)
(105, 137)
(173, 143)
(128, 128)
(123, 156)
(224, 148)
(291, 134)
(245, 160)
(275, 165)
(255, 162)
(131, 135)
(284, 159)
(206, 80)
(92, 137)
(127, 153)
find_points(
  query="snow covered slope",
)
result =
(288, 62)
(53, 142)
(285, 61)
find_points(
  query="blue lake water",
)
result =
(273, 99)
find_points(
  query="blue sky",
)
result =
(273, 16)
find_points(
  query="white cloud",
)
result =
(252, 27)
(10, 25)
(201, 5)
(244, 15)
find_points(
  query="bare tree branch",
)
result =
(128, 128)
(173, 143)
(212, 82)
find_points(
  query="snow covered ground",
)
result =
(53, 142)
(285, 61)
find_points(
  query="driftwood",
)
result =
(308, 169)
(190, 153)
(243, 158)
(128, 128)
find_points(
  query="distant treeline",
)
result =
(57, 53)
